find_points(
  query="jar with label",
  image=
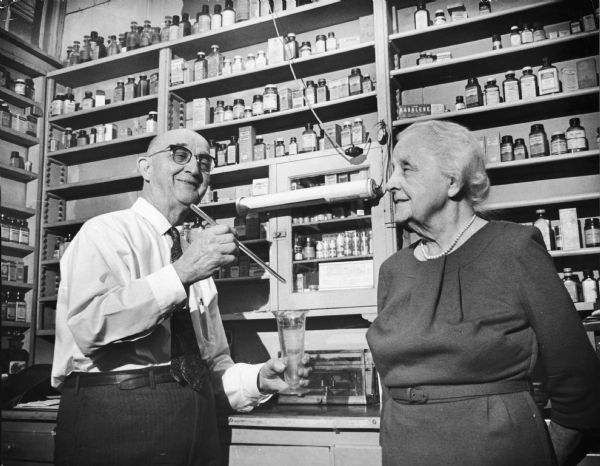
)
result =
(575, 26)
(485, 8)
(82, 138)
(322, 91)
(227, 69)
(355, 81)
(293, 147)
(20, 86)
(237, 66)
(310, 92)
(228, 113)
(539, 32)
(474, 97)
(219, 112)
(548, 81)
(261, 59)
(143, 86)
(460, 103)
(346, 134)
(320, 43)
(332, 43)
(543, 224)
(492, 92)
(591, 232)
(130, 88)
(279, 147)
(576, 140)
(511, 87)
(496, 42)
(305, 49)
(88, 101)
(200, 67)
(16, 160)
(529, 87)
(213, 61)
(421, 16)
(250, 62)
(238, 109)
(538, 142)
(290, 47)
(570, 284)
(164, 32)
(309, 252)
(515, 36)
(202, 20)
(152, 122)
(358, 131)
(232, 151)
(56, 106)
(270, 99)
(259, 149)
(589, 288)
(558, 143)
(228, 14)
(309, 139)
(526, 34)
(439, 18)
(5, 115)
(506, 149)
(520, 149)
(257, 105)
(248, 111)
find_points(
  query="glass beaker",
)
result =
(290, 328)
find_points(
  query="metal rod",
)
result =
(239, 244)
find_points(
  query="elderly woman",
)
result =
(463, 315)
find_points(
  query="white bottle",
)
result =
(590, 293)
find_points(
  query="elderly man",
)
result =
(140, 348)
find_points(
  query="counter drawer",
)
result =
(273, 455)
(33, 441)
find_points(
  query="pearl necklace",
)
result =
(450, 247)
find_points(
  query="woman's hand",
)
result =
(564, 440)
(270, 376)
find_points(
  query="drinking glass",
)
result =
(290, 327)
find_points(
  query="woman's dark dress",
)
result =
(481, 314)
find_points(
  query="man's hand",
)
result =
(270, 375)
(208, 250)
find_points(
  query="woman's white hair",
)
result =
(459, 155)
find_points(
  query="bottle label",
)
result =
(14, 235)
(528, 90)
(558, 146)
(537, 145)
(590, 294)
(357, 134)
(472, 97)
(421, 19)
(506, 152)
(270, 102)
(231, 155)
(259, 152)
(309, 142)
(492, 96)
(548, 80)
(24, 236)
(511, 91)
(21, 311)
(577, 144)
(592, 238)
(5, 231)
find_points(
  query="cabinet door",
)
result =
(330, 252)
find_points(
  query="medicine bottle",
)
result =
(309, 139)
(355, 81)
(16, 160)
(367, 84)
(133, 38)
(257, 105)
(69, 104)
(322, 91)
(88, 101)
(310, 92)
(358, 131)
(279, 147)
(143, 86)
(216, 20)
(526, 34)
(520, 149)
(543, 224)
(557, 238)
(576, 140)
(242, 10)
(113, 46)
(146, 35)
(515, 36)
(570, 284)
(538, 142)
(548, 81)
(228, 113)
(290, 48)
(237, 66)
(219, 112)
(164, 31)
(93, 136)
(82, 138)
(270, 99)
(485, 8)
(228, 14)
(474, 97)
(496, 42)
(539, 33)
(232, 151)
(227, 69)
(250, 62)
(591, 232)
(56, 106)
(575, 26)
(332, 43)
(85, 54)
(174, 28)
(213, 61)
(506, 149)
(589, 287)
(309, 252)
(346, 134)
(238, 109)
(460, 103)
(130, 88)
(529, 87)
(152, 122)
(248, 111)
(421, 16)
(293, 147)
(200, 67)
(492, 92)
(203, 20)
(440, 18)
(261, 59)
(259, 149)
(155, 36)
(511, 88)
(185, 27)
(305, 49)
(320, 43)
(558, 143)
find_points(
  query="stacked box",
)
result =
(246, 141)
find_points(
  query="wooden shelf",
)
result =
(479, 27)
(17, 210)
(332, 259)
(15, 249)
(15, 324)
(297, 117)
(496, 61)
(99, 187)
(543, 160)
(280, 72)
(542, 201)
(18, 174)
(102, 150)
(550, 106)
(16, 285)
(108, 113)
(246, 33)
(47, 299)
(19, 100)
(575, 252)
(24, 57)
(22, 139)
(64, 227)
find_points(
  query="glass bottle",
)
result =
(538, 142)
(355, 82)
(216, 20)
(291, 47)
(261, 59)
(358, 131)
(538, 32)
(421, 16)
(492, 92)
(439, 18)
(526, 35)
(74, 58)
(248, 111)
(293, 147)
(164, 32)
(213, 64)
(257, 105)
(185, 27)
(67, 60)
(591, 232)
(228, 113)
(305, 49)
(520, 149)
(259, 152)
(270, 99)
(152, 122)
(589, 287)
(82, 138)
(130, 88)
(557, 238)
(250, 64)
(232, 151)
(24, 232)
(174, 28)
(146, 35)
(460, 103)
(558, 143)
(101, 48)
(93, 135)
(570, 284)
(309, 139)
(279, 147)
(88, 101)
(119, 92)
(228, 14)
(56, 107)
(200, 67)
(69, 104)
(219, 112)
(237, 66)
(332, 43)
(310, 92)
(485, 8)
(16, 160)
(322, 91)
(346, 134)
(496, 42)
(238, 109)
(543, 224)
(474, 97)
(113, 46)
(506, 149)
(226, 69)
(133, 39)
(575, 134)
(203, 19)
(548, 82)
(320, 43)
(242, 10)
(529, 87)
(155, 36)
(515, 36)
(85, 53)
(511, 87)
(143, 86)
(122, 43)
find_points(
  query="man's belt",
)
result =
(124, 380)
(439, 393)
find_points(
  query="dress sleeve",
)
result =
(571, 365)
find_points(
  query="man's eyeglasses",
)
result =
(181, 155)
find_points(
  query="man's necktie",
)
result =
(186, 362)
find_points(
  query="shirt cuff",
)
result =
(166, 287)
(239, 384)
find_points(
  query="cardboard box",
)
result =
(437, 108)
(366, 28)
(331, 179)
(177, 66)
(333, 130)
(358, 175)
(111, 131)
(243, 191)
(275, 50)
(338, 88)
(200, 113)
(246, 141)
(298, 98)
(346, 42)
(285, 98)
(260, 186)
(587, 75)
(569, 228)
(414, 110)
(569, 79)
(492, 148)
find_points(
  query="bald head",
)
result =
(182, 137)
